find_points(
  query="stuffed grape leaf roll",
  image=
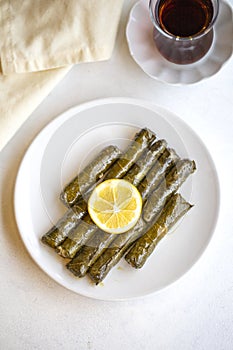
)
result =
(89, 176)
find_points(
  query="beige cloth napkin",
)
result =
(40, 40)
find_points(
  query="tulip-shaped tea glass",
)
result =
(183, 29)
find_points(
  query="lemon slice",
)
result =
(115, 206)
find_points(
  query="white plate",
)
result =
(142, 48)
(72, 139)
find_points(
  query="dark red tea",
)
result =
(185, 18)
(185, 21)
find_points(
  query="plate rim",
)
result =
(155, 108)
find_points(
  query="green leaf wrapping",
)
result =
(157, 173)
(115, 252)
(89, 253)
(65, 226)
(143, 139)
(140, 169)
(145, 245)
(89, 176)
(173, 181)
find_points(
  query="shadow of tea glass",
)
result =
(183, 29)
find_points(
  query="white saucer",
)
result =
(139, 33)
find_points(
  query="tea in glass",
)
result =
(183, 29)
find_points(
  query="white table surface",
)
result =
(194, 313)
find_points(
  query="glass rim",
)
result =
(183, 38)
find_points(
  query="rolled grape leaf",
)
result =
(174, 179)
(77, 238)
(89, 253)
(158, 173)
(143, 139)
(110, 257)
(88, 177)
(140, 169)
(176, 208)
(65, 226)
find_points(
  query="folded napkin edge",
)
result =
(22, 52)
(71, 57)
(32, 90)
